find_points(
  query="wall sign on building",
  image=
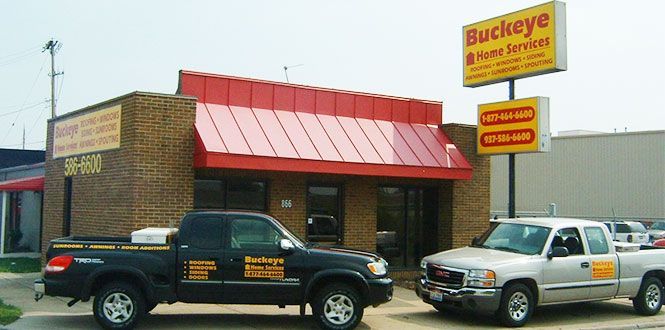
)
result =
(90, 132)
(522, 44)
(516, 126)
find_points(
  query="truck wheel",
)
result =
(516, 305)
(118, 305)
(337, 306)
(649, 299)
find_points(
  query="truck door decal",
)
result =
(198, 270)
(602, 269)
(264, 267)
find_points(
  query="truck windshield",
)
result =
(517, 238)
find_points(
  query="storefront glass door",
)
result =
(407, 224)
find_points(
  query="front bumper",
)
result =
(484, 301)
(380, 291)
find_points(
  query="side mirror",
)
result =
(557, 252)
(286, 245)
(475, 241)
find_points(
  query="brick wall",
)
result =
(146, 182)
(470, 198)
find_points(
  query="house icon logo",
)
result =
(470, 59)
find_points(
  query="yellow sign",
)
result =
(602, 269)
(526, 43)
(91, 132)
(516, 126)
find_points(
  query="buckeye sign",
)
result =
(522, 44)
(516, 126)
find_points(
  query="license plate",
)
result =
(436, 296)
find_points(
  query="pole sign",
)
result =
(517, 126)
(522, 44)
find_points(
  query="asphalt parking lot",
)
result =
(404, 312)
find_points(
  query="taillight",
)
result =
(630, 238)
(58, 264)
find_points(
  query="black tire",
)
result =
(118, 297)
(517, 305)
(649, 299)
(341, 300)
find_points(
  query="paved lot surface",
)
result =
(404, 312)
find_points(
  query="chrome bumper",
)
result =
(476, 299)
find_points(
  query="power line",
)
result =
(26, 100)
(21, 52)
(34, 105)
(20, 144)
(18, 58)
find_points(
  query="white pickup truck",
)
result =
(519, 264)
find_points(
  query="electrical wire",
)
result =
(34, 105)
(20, 144)
(18, 58)
(21, 52)
(26, 100)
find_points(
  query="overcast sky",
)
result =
(403, 48)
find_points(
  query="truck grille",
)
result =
(445, 276)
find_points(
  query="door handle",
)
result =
(236, 259)
(585, 265)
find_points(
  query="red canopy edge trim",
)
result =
(34, 183)
(250, 162)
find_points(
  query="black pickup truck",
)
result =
(221, 257)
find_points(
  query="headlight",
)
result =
(482, 278)
(423, 264)
(377, 268)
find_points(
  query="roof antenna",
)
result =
(288, 67)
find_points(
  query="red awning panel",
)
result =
(35, 183)
(256, 125)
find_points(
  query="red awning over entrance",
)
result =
(35, 183)
(259, 125)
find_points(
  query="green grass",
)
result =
(8, 313)
(20, 265)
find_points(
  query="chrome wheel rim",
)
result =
(118, 307)
(338, 309)
(518, 306)
(653, 296)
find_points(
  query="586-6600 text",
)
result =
(88, 164)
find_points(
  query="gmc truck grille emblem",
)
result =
(441, 273)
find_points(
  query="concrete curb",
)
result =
(651, 325)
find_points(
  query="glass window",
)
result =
(518, 238)
(597, 240)
(569, 238)
(206, 233)
(623, 228)
(658, 226)
(246, 195)
(209, 194)
(324, 214)
(254, 234)
(637, 227)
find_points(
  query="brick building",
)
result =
(368, 171)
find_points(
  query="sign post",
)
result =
(522, 44)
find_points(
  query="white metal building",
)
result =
(592, 176)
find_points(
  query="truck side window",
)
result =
(206, 233)
(253, 234)
(597, 240)
(572, 240)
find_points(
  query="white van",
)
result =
(628, 231)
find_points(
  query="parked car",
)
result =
(657, 231)
(627, 231)
(219, 257)
(519, 264)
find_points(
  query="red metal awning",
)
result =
(34, 183)
(251, 124)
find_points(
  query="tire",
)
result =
(337, 307)
(649, 299)
(118, 305)
(517, 305)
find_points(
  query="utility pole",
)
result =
(53, 46)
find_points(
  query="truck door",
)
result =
(255, 268)
(199, 268)
(567, 278)
(604, 266)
